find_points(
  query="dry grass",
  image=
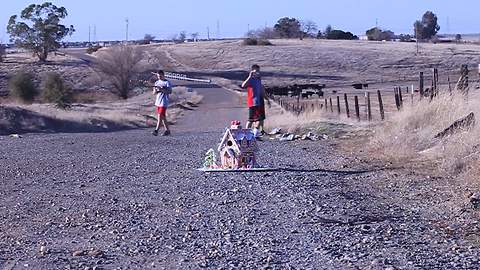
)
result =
(137, 111)
(291, 122)
(410, 135)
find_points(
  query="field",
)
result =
(338, 64)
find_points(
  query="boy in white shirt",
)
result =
(162, 90)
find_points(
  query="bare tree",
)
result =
(119, 65)
(309, 28)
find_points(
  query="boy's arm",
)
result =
(244, 84)
(267, 98)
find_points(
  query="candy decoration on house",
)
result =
(210, 159)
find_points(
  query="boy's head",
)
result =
(161, 74)
(256, 68)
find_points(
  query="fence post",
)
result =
(338, 105)
(400, 96)
(397, 98)
(380, 104)
(357, 108)
(369, 107)
(347, 109)
(326, 105)
(331, 105)
(421, 88)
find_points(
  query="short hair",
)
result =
(255, 67)
(160, 72)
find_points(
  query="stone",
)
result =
(79, 253)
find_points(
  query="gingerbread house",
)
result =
(237, 148)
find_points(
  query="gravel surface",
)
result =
(128, 200)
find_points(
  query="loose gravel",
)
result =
(128, 200)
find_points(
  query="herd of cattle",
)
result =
(303, 90)
(296, 90)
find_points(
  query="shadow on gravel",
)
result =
(338, 172)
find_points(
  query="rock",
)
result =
(79, 253)
(310, 137)
(43, 250)
(95, 253)
(287, 137)
(275, 131)
(475, 199)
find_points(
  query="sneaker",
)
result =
(166, 133)
(155, 132)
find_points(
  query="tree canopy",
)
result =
(427, 27)
(288, 28)
(378, 34)
(39, 29)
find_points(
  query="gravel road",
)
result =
(128, 200)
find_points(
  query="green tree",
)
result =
(39, 28)
(288, 28)
(427, 27)
(378, 34)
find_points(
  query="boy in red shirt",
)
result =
(255, 101)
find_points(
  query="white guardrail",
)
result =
(183, 77)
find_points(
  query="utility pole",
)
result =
(208, 33)
(376, 23)
(126, 32)
(248, 28)
(89, 34)
(218, 29)
(94, 33)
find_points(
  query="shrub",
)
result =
(3, 52)
(255, 42)
(22, 87)
(93, 49)
(55, 91)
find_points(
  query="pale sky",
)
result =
(163, 18)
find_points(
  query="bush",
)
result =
(55, 91)
(22, 87)
(119, 65)
(93, 49)
(3, 52)
(255, 42)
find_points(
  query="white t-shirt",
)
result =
(162, 97)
